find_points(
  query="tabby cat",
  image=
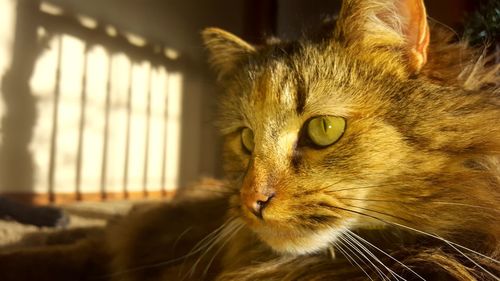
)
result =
(370, 153)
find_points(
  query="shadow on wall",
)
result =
(89, 112)
(16, 161)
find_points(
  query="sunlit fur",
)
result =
(420, 152)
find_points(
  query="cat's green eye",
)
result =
(247, 139)
(325, 130)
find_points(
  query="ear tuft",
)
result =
(226, 50)
(387, 25)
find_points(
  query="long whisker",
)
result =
(473, 261)
(424, 233)
(158, 264)
(227, 230)
(139, 268)
(362, 259)
(445, 240)
(380, 212)
(204, 241)
(355, 253)
(362, 247)
(354, 247)
(180, 237)
(329, 206)
(360, 187)
(464, 205)
(350, 259)
(428, 234)
(427, 202)
(330, 185)
(207, 241)
(394, 274)
(383, 252)
(314, 191)
(232, 233)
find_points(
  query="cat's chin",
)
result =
(298, 242)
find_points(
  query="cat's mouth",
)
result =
(289, 238)
(280, 230)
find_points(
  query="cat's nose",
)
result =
(257, 201)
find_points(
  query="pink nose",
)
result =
(256, 202)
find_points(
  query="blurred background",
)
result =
(112, 99)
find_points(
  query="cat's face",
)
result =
(344, 133)
(310, 185)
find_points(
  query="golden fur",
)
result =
(409, 192)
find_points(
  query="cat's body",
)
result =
(403, 182)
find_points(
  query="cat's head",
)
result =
(348, 132)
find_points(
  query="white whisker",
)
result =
(474, 262)
(434, 236)
(202, 242)
(220, 235)
(385, 253)
(351, 259)
(445, 240)
(394, 274)
(421, 232)
(180, 236)
(375, 258)
(163, 263)
(382, 275)
(232, 233)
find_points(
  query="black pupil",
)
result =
(325, 124)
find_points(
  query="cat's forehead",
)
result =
(305, 80)
(282, 88)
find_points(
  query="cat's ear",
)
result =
(226, 50)
(399, 25)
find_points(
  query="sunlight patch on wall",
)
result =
(93, 124)
(104, 123)
(118, 120)
(50, 8)
(68, 115)
(43, 83)
(157, 143)
(137, 147)
(174, 122)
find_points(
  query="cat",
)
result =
(370, 153)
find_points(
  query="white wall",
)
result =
(193, 153)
